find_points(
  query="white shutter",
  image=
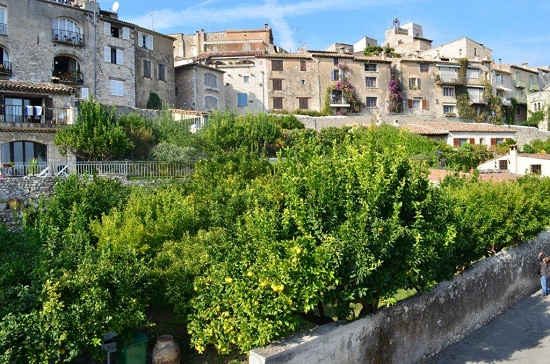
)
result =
(140, 39)
(3, 15)
(84, 93)
(107, 28)
(119, 56)
(107, 55)
(126, 33)
(149, 42)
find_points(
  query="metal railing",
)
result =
(35, 114)
(66, 36)
(124, 169)
(69, 76)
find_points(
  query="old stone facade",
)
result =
(200, 87)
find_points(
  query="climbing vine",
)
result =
(396, 96)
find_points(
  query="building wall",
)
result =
(162, 53)
(192, 90)
(249, 78)
(108, 71)
(460, 48)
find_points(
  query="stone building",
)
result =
(199, 87)
(54, 53)
(407, 40)
(460, 48)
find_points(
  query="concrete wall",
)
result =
(419, 327)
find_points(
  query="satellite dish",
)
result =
(115, 6)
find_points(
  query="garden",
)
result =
(280, 229)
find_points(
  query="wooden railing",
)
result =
(124, 169)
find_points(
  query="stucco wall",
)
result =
(423, 325)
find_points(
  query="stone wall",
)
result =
(419, 327)
(26, 189)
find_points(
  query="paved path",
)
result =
(520, 335)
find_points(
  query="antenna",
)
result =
(115, 7)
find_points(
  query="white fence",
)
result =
(127, 169)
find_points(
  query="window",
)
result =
(475, 51)
(370, 82)
(116, 31)
(84, 93)
(162, 72)
(113, 55)
(302, 65)
(370, 67)
(3, 20)
(335, 61)
(448, 91)
(503, 165)
(457, 142)
(337, 75)
(303, 103)
(424, 67)
(414, 83)
(242, 99)
(146, 68)
(449, 109)
(66, 30)
(210, 80)
(372, 102)
(246, 79)
(117, 88)
(145, 40)
(277, 102)
(277, 84)
(277, 65)
(536, 168)
(23, 152)
(210, 102)
(415, 104)
(499, 78)
(472, 73)
(497, 141)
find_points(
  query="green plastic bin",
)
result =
(133, 352)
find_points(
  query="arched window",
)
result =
(211, 80)
(210, 102)
(67, 31)
(67, 69)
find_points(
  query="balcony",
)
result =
(65, 76)
(520, 84)
(67, 37)
(449, 80)
(5, 68)
(533, 87)
(339, 102)
(33, 116)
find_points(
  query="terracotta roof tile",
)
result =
(439, 127)
(50, 88)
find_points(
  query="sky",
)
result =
(517, 31)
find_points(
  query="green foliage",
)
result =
(140, 133)
(494, 112)
(154, 101)
(166, 152)
(537, 146)
(465, 110)
(372, 51)
(535, 118)
(168, 130)
(96, 135)
(466, 157)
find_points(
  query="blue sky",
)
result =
(517, 31)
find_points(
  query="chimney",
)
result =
(513, 160)
(266, 26)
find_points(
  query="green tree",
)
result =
(154, 101)
(96, 135)
(140, 133)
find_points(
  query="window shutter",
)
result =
(119, 56)
(411, 83)
(107, 55)
(456, 142)
(149, 42)
(410, 103)
(332, 76)
(84, 93)
(107, 28)
(3, 15)
(424, 104)
(493, 141)
(126, 33)
(418, 83)
(472, 141)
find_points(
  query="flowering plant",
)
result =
(343, 66)
(396, 96)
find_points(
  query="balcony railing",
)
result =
(35, 115)
(520, 84)
(123, 169)
(65, 76)
(5, 68)
(65, 36)
(3, 29)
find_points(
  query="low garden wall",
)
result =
(421, 326)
